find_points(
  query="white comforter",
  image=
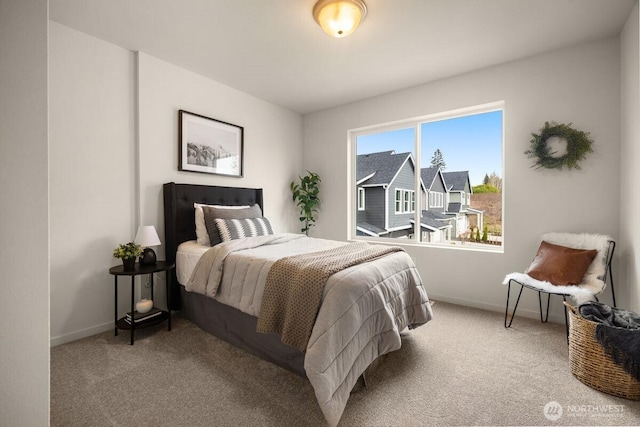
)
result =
(363, 311)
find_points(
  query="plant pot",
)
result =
(129, 264)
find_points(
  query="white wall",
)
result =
(272, 140)
(114, 142)
(578, 85)
(272, 136)
(24, 230)
(630, 159)
(117, 112)
(92, 178)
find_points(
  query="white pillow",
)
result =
(202, 237)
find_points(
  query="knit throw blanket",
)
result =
(294, 287)
(618, 332)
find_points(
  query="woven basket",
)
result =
(591, 365)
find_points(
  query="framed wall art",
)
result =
(208, 145)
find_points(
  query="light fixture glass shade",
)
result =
(339, 18)
(147, 236)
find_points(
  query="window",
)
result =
(436, 200)
(405, 201)
(361, 206)
(408, 201)
(437, 163)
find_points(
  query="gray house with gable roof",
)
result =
(385, 194)
(460, 191)
(386, 199)
(436, 224)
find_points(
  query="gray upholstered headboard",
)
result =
(179, 215)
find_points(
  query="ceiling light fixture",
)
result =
(339, 18)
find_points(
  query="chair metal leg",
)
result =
(546, 318)
(613, 293)
(506, 311)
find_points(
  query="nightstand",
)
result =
(158, 267)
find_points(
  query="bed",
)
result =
(340, 349)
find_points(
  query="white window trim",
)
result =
(436, 199)
(407, 201)
(417, 123)
(361, 206)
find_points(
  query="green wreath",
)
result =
(578, 145)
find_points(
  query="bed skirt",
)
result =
(239, 329)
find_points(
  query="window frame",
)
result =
(438, 199)
(407, 201)
(362, 206)
(398, 201)
(416, 123)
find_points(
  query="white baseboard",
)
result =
(74, 336)
(533, 314)
(522, 312)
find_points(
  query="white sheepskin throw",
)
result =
(593, 280)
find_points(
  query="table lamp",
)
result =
(146, 237)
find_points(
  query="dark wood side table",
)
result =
(158, 267)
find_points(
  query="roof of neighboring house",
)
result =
(373, 229)
(383, 166)
(454, 207)
(456, 180)
(428, 175)
(475, 211)
(435, 220)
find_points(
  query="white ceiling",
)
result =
(274, 50)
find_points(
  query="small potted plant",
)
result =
(128, 252)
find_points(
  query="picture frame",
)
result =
(208, 145)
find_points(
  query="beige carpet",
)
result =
(462, 368)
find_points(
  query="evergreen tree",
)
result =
(437, 160)
(492, 179)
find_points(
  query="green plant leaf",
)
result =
(305, 195)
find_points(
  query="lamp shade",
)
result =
(339, 18)
(147, 236)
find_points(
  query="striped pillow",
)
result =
(231, 229)
(211, 213)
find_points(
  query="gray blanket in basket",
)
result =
(618, 331)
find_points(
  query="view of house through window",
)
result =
(431, 180)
